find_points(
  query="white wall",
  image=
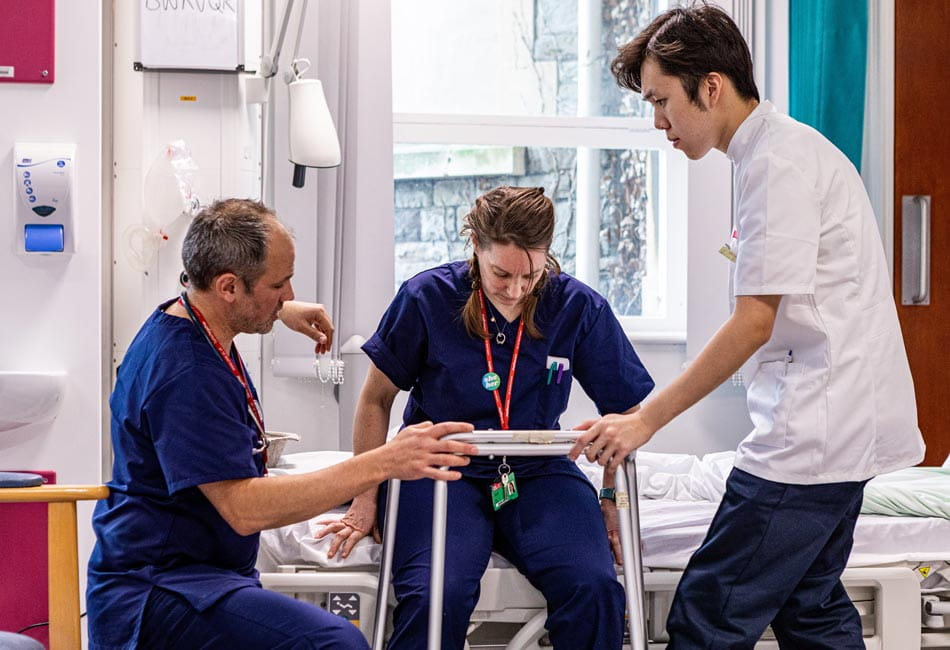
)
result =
(55, 309)
(205, 110)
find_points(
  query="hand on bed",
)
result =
(611, 439)
(356, 524)
(416, 452)
(608, 509)
(310, 319)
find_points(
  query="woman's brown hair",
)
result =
(522, 216)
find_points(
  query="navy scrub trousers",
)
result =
(553, 533)
(249, 618)
(774, 555)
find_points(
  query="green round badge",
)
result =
(491, 381)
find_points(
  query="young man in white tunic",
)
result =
(830, 392)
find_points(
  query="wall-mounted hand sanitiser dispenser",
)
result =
(45, 204)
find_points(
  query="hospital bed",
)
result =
(898, 574)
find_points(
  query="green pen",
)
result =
(551, 372)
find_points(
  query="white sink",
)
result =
(29, 397)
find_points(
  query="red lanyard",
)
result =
(252, 406)
(503, 411)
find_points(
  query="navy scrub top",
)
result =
(422, 346)
(179, 419)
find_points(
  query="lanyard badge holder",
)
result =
(504, 489)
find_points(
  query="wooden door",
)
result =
(922, 167)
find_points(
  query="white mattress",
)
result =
(670, 529)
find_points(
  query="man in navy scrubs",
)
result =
(177, 539)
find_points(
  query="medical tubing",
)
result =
(629, 513)
(386, 563)
(437, 571)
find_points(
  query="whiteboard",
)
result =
(191, 35)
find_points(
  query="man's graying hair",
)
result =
(229, 236)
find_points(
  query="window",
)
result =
(492, 92)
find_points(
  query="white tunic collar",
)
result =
(747, 131)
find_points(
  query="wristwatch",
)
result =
(608, 493)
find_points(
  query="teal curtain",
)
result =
(828, 42)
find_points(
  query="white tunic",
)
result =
(830, 394)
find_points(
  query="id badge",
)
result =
(504, 490)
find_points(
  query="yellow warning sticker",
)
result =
(924, 571)
(188, 98)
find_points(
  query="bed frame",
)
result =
(888, 599)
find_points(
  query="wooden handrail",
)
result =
(64, 628)
(53, 493)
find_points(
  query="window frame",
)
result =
(588, 133)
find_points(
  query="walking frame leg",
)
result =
(629, 515)
(437, 575)
(628, 510)
(386, 563)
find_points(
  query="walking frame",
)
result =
(515, 443)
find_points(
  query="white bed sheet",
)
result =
(672, 530)
(297, 544)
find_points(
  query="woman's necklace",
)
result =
(500, 337)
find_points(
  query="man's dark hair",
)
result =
(689, 43)
(229, 236)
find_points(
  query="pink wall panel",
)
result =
(27, 41)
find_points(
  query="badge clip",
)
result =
(505, 489)
(729, 250)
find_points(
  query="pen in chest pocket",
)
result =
(556, 367)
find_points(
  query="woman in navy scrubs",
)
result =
(497, 341)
